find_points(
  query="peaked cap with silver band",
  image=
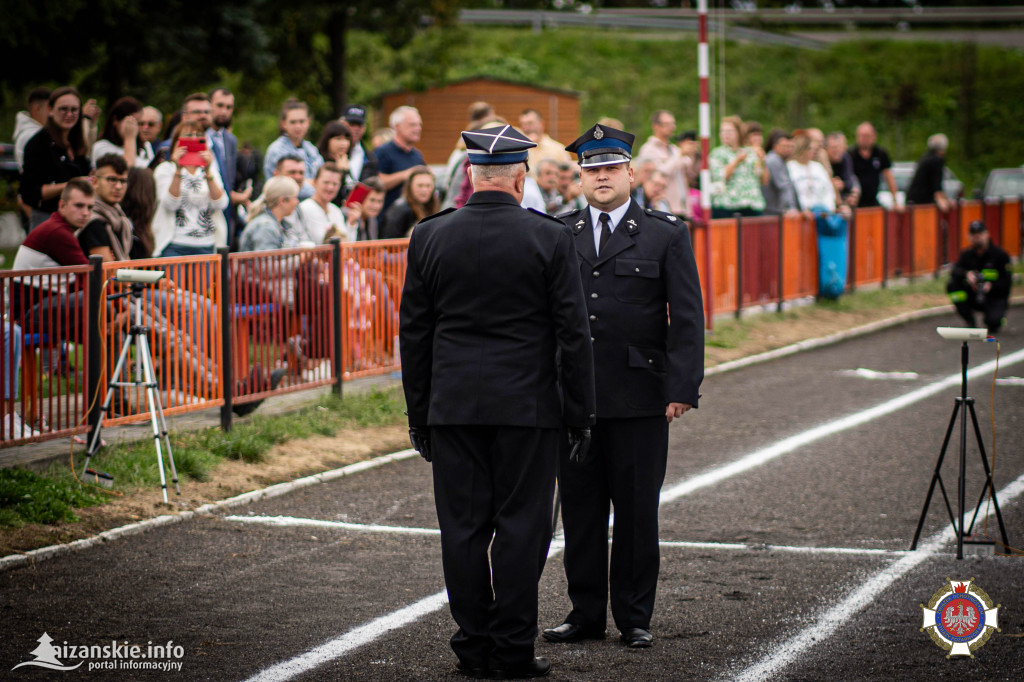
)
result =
(494, 146)
(602, 146)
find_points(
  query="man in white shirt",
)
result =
(322, 218)
(28, 123)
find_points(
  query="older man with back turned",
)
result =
(492, 296)
(639, 275)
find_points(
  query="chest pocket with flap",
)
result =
(636, 280)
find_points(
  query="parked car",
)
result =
(1005, 183)
(903, 171)
(8, 166)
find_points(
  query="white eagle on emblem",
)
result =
(960, 622)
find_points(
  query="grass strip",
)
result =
(27, 497)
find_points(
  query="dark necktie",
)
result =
(606, 231)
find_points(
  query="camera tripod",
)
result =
(138, 334)
(961, 407)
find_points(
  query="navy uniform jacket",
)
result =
(491, 292)
(642, 362)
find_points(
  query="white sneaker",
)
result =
(21, 429)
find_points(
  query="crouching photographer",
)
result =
(981, 279)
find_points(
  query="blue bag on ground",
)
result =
(833, 254)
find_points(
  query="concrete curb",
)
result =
(16, 560)
(30, 557)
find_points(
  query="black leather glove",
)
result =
(579, 444)
(419, 436)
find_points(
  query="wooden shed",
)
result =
(445, 110)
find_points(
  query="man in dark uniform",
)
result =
(636, 265)
(981, 280)
(491, 297)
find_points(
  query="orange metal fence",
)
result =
(43, 351)
(882, 244)
(280, 308)
(180, 312)
(372, 278)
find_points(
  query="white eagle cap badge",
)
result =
(960, 617)
(598, 133)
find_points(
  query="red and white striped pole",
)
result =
(704, 111)
(704, 114)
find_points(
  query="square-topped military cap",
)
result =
(602, 146)
(494, 146)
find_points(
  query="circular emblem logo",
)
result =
(960, 617)
(598, 133)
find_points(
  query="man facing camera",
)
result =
(635, 264)
(491, 298)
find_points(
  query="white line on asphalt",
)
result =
(364, 634)
(875, 375)
(292, 521)
(830, 621)
(787, 445)
(298, 522)
(367, 634)
(783, 548)
(1010, 381)
(353, 639)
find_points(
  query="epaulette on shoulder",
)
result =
(438, 214)
(545, 215)
(667, 217)
(568, 214)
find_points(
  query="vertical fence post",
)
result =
(338, 324)
(782, 270)
(910, 227)
(851, 272)
(227, 368)
(739, 264)
(1002, 237)
(95, 355)
(885, 248)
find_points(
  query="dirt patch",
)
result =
(284, 462)
(771, 332)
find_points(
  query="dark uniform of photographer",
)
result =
(492, 294)
(981, 280)
(638, 270)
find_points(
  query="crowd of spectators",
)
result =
(124, 185)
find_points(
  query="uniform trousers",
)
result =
(626, 470)
(494, 489)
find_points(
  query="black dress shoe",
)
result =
(470, 670)
(571, 632)
(538, 667)
(636, 638)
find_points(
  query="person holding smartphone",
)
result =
(189, 219)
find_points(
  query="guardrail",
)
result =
(230, 329)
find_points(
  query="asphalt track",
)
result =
(790, 499)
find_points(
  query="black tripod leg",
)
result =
(937, 478)
(989, 483)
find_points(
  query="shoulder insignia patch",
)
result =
(667, 217)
